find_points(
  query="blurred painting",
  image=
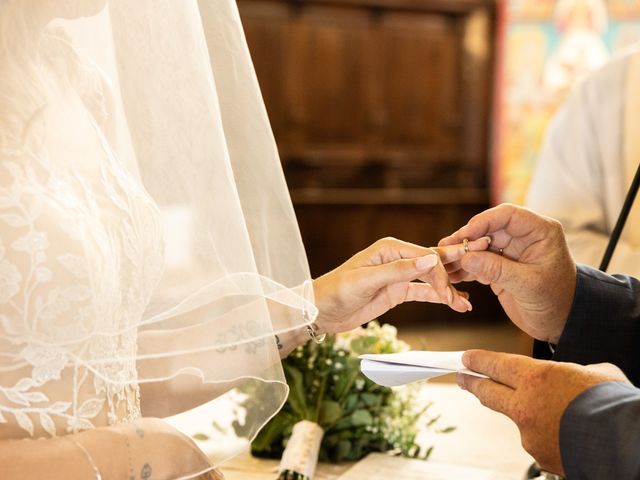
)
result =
(544, 48)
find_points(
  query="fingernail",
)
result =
(427, 261)
(449, 295)
(488, 239)
(467, 303)
(460, 379)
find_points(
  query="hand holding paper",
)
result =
(394, 369)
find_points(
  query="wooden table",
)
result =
(483, 439)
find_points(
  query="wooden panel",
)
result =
(477, 75)
(441, 6)
(420, 83)
(266, 26)
(325, 75)
(380, 111)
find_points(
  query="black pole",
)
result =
(622, 219)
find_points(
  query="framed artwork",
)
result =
(544, 48)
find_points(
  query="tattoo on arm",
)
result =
(145, 473)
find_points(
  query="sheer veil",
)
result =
(147, 234)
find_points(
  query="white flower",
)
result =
(389, 332)
(10, 279)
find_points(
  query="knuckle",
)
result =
(385, 246)
(493, 271)
(508, 208)
(555, 224)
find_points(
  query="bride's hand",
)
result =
(382, 276)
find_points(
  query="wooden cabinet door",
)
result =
(418, 75)
(266, 26)
(325, 79)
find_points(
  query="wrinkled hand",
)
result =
(534, 394)
(535, 277)
(382, 276)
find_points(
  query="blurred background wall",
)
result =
(544, 47)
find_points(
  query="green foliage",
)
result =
(357, 415)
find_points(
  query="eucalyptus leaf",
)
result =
(361, 418)
(370, 399)
(351, 402)
(297, 398)
(330, 413)
(447, 430)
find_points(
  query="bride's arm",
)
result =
(148, 448)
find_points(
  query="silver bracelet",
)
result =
(88, 456)
(312, 330)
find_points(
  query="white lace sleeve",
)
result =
(79, 259)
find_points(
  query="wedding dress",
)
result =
(146, 232)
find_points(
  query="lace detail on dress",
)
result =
(80, 254)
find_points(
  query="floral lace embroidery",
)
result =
(79, 258)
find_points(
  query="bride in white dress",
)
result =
(149, 256)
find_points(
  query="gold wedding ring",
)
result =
(465, 244)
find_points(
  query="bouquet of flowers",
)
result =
(335, 413)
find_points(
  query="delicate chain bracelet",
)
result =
(88, 456)
(312, 330)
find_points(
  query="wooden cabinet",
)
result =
(380, 109)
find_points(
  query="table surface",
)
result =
(483, 439)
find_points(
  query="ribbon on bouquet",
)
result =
(300, 457)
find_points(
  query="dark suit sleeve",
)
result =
(600, 429)
(604, 323)
(600, 434)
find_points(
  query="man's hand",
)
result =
(382, 276)
(529, 267)
(534, 394)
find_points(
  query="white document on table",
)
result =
(394, 369)
(379, 466)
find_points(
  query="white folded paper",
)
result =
(393, 369)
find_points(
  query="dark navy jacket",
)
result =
(600, 429)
